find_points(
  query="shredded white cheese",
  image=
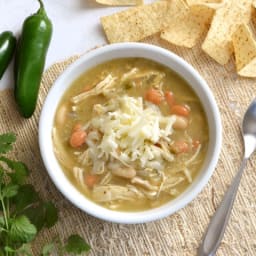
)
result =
(129, 128)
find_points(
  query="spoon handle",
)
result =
(218, 223)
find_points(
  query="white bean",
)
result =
(181, 123)
(61, 115)
(124, 172)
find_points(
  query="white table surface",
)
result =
(76, 24)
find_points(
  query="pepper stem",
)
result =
(41, 4)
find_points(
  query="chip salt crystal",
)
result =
(245, 51)
(120, 2)
(185, 24)
(135, 23)
(218, 43)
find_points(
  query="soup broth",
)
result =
(130, 134)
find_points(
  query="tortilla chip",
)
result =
(186, 24)
(213, 4)
(254, 16)
(135, 23)
(120, 2)
(254, 3)
(195, 2)
(218, 43)
(245, 51)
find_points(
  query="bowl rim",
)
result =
(74, 195)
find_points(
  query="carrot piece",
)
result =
(169, 97)
(77, 138)
(90, 180)
(180, 147)
(180, 110)
(154, 96)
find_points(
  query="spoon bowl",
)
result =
(249, 120)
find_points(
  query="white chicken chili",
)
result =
(130, 134)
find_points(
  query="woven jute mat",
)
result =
(176, 235)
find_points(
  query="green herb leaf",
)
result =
(1, 206)
(76, 244)
(48, 249)
(51, 214)
(9, 191)
(9, 249)
(6, 141)
(22, 230)
(20, 174)
(2, 222)
(20, 170)
(43, 214)
(24, 211)
(1, 173)
(36, 215)
(26, 197)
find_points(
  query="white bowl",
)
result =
(101, 55)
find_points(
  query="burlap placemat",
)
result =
(176, 235)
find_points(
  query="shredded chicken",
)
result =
(106, 193)
(165, 149)
(136, 77)
(194, 156)
(171, 182)
(152, 195)
(129, 74)
(106, 179)
(79, 175)
(188, 174)
(102, 87)
(84, 158)
(144, 183)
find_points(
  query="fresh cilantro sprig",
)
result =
(23, 213)
(6, 141)
(74, 245)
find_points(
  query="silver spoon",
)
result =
(218, 223)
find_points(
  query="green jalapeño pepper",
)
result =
(7, 48)
(30, 60)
